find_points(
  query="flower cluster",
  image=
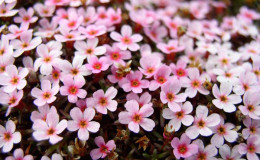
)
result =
(167, 75)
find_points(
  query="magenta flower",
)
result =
(228, 154)
(8, 136)
(172, 47)
(251, 148)
(12, 99)
(133, 82)
(145, 98)
(25, 17)
(136, 117)
(224, 100)
(97, 65)
(161, 76)
(86, 50)
(104, 101)
(82, 122)
(251, 105)
(202, 122)
(19, 155)
(126, 39)
(169, 94)
(149, 66)
(46, 94)
(104, 148)
(14, 79)
(72, 89)
(93, 31)
(182, 147)
(180, 117)
(49, 129)
(223, 131)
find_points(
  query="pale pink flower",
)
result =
(250, 50)
(133, 82)
(149, 65)
(91, 48)
(223, 131)
(180, 117)
(169, 94)
(42, 113)
(195, 30)
(202, 122)
(136, 117)
(46, 94)
(72, 89)
(43, 10)
(251, 148)
(204, 47)
(19, 155)
(48, 29)
(116, 55)
(114, 16)
(146, 50)
(183, 148)
(56, 2)
(5, 60)
(161, 76)
(16, 32)
(194, 83)
(26, 17)
(6, 10)
(93, 31)
(102, 16)
(55, 156)
(156, 32)
(96, 65)
(25, 44)
(12, 99)
(76, 69)
(126, 39)
(89, 15)
(143, 16)
(199, 9)
(73, 21)
(247, 82)
(145, 98)
(230, 74)
(81, 121)
(47, 59)
(5, 47)
(67, 35)
(15, 79)
(173, 25)
(172, 46)
(179, 69)
(8, 136)
(248, 14)
(104, 101)
(116, 77)
(207, 153)
(49, 129)
(28, 63)
(228, 154)
(252, 128)
(251, 105)
(104, 148)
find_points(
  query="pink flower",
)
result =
(251, 148)
(89, 15)
(228, 154)
(72, 89)
(179, 69)
(14, 78)
(173, 25)
(42, 113)
(199, 9)
(202, 122)
(6, 10)
(25, 17)
(169, 94)
(104, 148)
(223, 131)
(49, 129)
(249, 14)
(86, 50)
(73, 21)
(5, 60)
(47, 59)
(55, 156)
(82, 122)
(43, 10)
(67, 35)
(104, 101)
(133, 82)
(46, 94)
(161, 76)
(207, 153)
(194, 83)
(224, 100)
(5, 48)
(180, 117)
(145, 98)
(114, 16)
(97, 65)
(149, 65)
(251, 105)
(19, 155)
(12, 99)
(156, 32)
(115, 76)
(48, 29)
(126, 39)
(136, 117)
(25, 44)
(247, 82)
(252, 128)
(182, 147)
(116, 55)
(16, 32)
(56, 2)
(172, 47)
(8, 136)
(93, 31)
